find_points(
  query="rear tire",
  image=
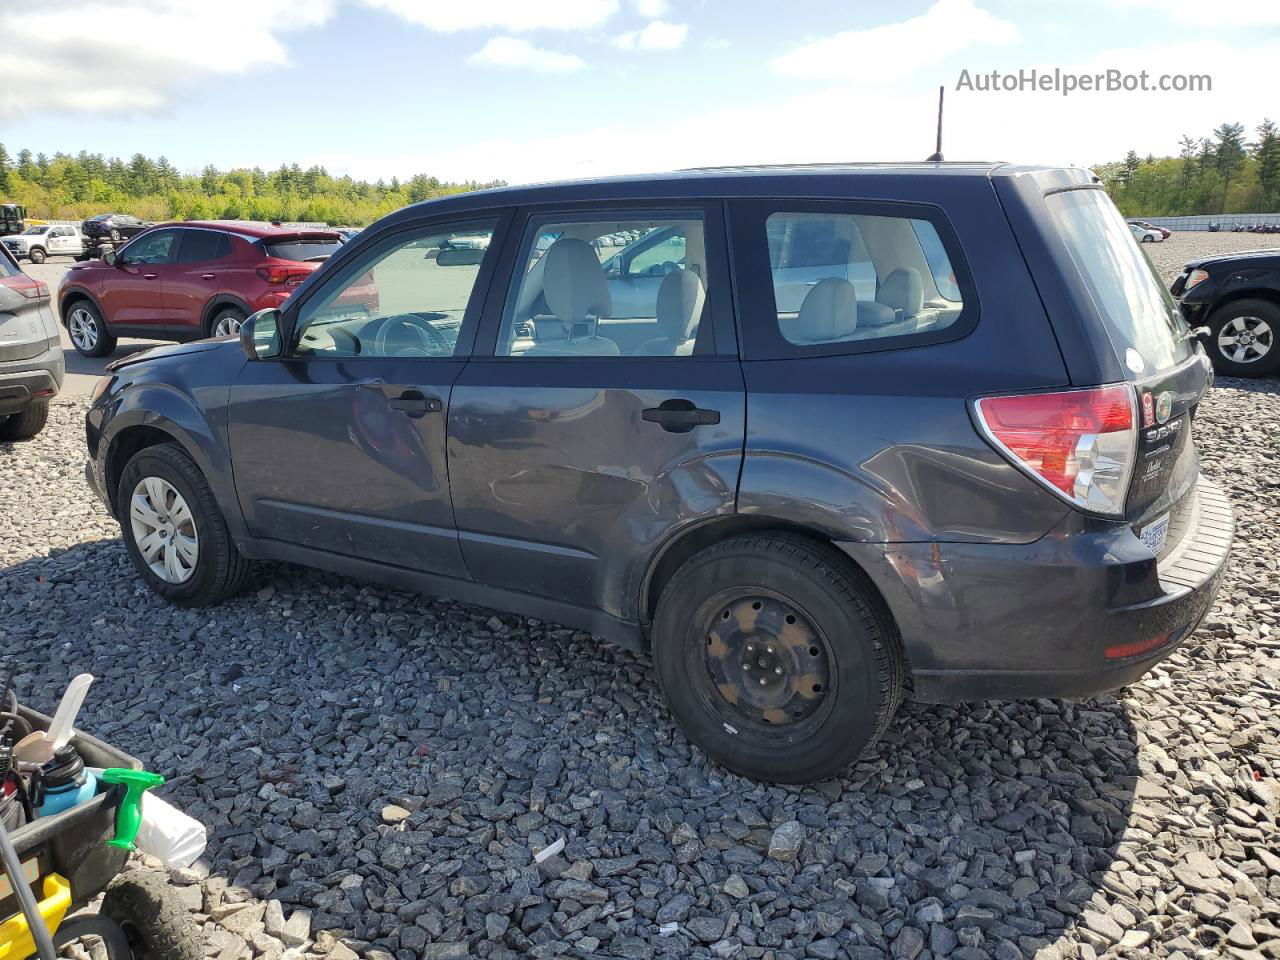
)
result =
(155, 921)
(226, 322)
(208, 568)
(777, 657)
(36, 255)
(1244, 338)
(25, 425)
(88, 331)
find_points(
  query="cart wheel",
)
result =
(156, 923)
(94, 926)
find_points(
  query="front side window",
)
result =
(151, 248)
(407, 300)
(630, 286)
(846, 277)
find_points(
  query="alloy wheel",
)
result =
(83, 329)
(228, 326)
(1245, 339)
(164, 530)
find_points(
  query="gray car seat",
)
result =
(576, 291)
(829, 312)
(679, 308)
(903, 292)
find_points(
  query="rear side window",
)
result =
(199, 246)
(844, 278)
(1144, 325)
(302, 249)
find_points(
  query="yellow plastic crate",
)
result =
(16, 942)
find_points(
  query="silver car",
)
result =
(31, 365)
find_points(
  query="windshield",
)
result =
(34, 231)
(1139, 314)
(302, 248)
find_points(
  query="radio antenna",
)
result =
(937, 154)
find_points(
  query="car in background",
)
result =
(39, 243)
(1145, 235)
(979, 487)
(187, 281)
(113, 226)
(1165, 232)
(31, 362)
(1236, 297)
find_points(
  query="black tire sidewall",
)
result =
(36, 255)
(210, 531)
(1244, 308)
(26, 423)
(223, 312)
(862, 691)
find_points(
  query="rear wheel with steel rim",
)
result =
(88, 333)
(36, 255)
(1243, 341)
(173, 529)
(226, 323)
(777, 657)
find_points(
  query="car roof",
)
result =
(253, 228)
(800, 180)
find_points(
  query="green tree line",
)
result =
(1225, 172)
(64, 187)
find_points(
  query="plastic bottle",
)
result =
(65, 782)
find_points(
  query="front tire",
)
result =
(777, 657)
(155, 921)
(36, 255)
(1243, 338)
(174, 531)
(25, 425)
(88, 331)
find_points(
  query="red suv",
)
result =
(187, 281)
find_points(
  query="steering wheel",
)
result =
(428, 341)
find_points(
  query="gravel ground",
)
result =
(379, 768)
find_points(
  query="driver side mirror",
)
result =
(261, 336)
(110, 258)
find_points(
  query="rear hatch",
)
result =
(26, 324)
(1157, 354)
(302, 247)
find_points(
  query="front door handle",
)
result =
(414, 403)
(148, 276)
(680, 416)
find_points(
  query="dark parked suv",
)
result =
(1237, 297)
(876, 431)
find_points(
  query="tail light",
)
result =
(28, 287)
(291, 276)
(1081, 444)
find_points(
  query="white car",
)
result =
(49, 240)
(1143, 235)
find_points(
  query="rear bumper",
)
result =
(24, 381)
(984, 621)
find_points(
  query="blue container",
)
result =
(66, 783)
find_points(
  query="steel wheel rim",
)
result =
(764, 665)
(164, 530)
(83, 329)
(1245, 339)
(227, 327)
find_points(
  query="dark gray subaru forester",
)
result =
(818, 437)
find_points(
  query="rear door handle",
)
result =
(680, 416)
(414, 403)
(148, 276)
(206, 276)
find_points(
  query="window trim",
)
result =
(718, 315)
(352, 258)
(762, 339)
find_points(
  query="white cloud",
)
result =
(515, 16)
(100, 56)
(517, 52)
(658, 35)
(1220, 14)
(650, 8)
(897, 50)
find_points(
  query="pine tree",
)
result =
(1188, 156)
(1267, 152)
(26, 166)
(4, 169)
(1130, 168)
(1230, 152)
(1206, 157)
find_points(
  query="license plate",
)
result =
(1155, 534)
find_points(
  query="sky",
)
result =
(530, 90)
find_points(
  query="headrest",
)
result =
(680, 299)
(903, 290)
(829, 312)
(574, 282)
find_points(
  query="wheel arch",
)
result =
(73, 295)
(218, 302)
(1269, 294)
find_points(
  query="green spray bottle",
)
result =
(129, 814)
